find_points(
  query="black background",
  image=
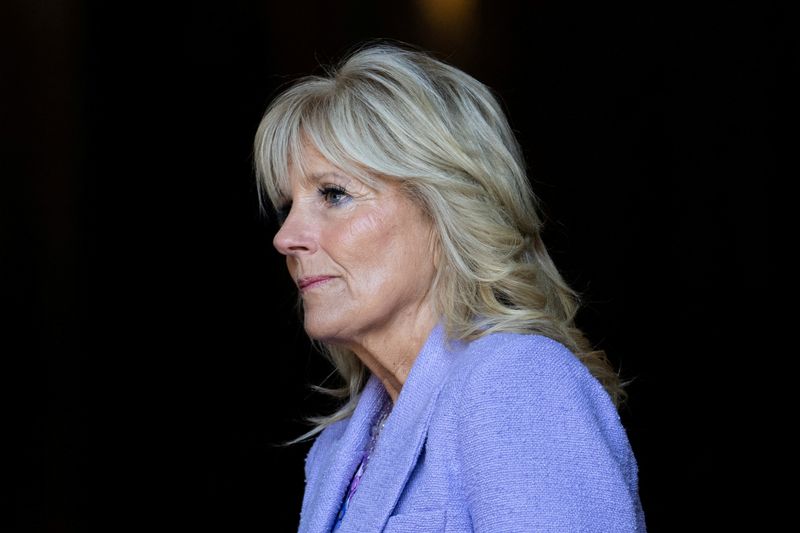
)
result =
(153, 360)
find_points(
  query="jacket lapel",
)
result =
(401, 440)
(335, 466)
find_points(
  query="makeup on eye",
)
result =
(334, 194)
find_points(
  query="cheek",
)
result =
(366, 236)
(367, 249)
(367, 226)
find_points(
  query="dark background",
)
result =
(153, 361)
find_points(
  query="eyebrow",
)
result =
(319, 176)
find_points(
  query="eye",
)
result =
(334, 194)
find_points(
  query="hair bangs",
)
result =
(329, 128)
(276, 142)
(308, 117)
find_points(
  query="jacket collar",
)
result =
(397, 450)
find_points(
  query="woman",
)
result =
(471, 402)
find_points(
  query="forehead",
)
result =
(310, 164)
(309, 167)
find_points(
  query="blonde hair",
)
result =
(392, 113)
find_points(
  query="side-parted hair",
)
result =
(393, 113)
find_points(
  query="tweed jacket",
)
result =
(509, 433)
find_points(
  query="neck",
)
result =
(390, 351)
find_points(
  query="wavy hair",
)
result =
(393, 113)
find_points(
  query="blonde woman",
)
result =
(470, 400)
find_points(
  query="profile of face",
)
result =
(361, 257)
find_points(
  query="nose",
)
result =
(296, 236)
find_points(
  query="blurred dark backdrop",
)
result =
(152, 359)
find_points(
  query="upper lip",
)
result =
(308, 280)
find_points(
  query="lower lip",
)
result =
(315, 284)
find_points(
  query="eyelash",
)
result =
(328, 190)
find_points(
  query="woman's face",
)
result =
(362, 258)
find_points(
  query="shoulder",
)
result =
(516, 348)
(535, 365)
(526, 413)
(530, 385)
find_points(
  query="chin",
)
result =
(321, 329)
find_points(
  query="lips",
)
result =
(312, 281)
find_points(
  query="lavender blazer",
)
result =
(509, 433)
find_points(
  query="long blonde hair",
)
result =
(393, 113)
